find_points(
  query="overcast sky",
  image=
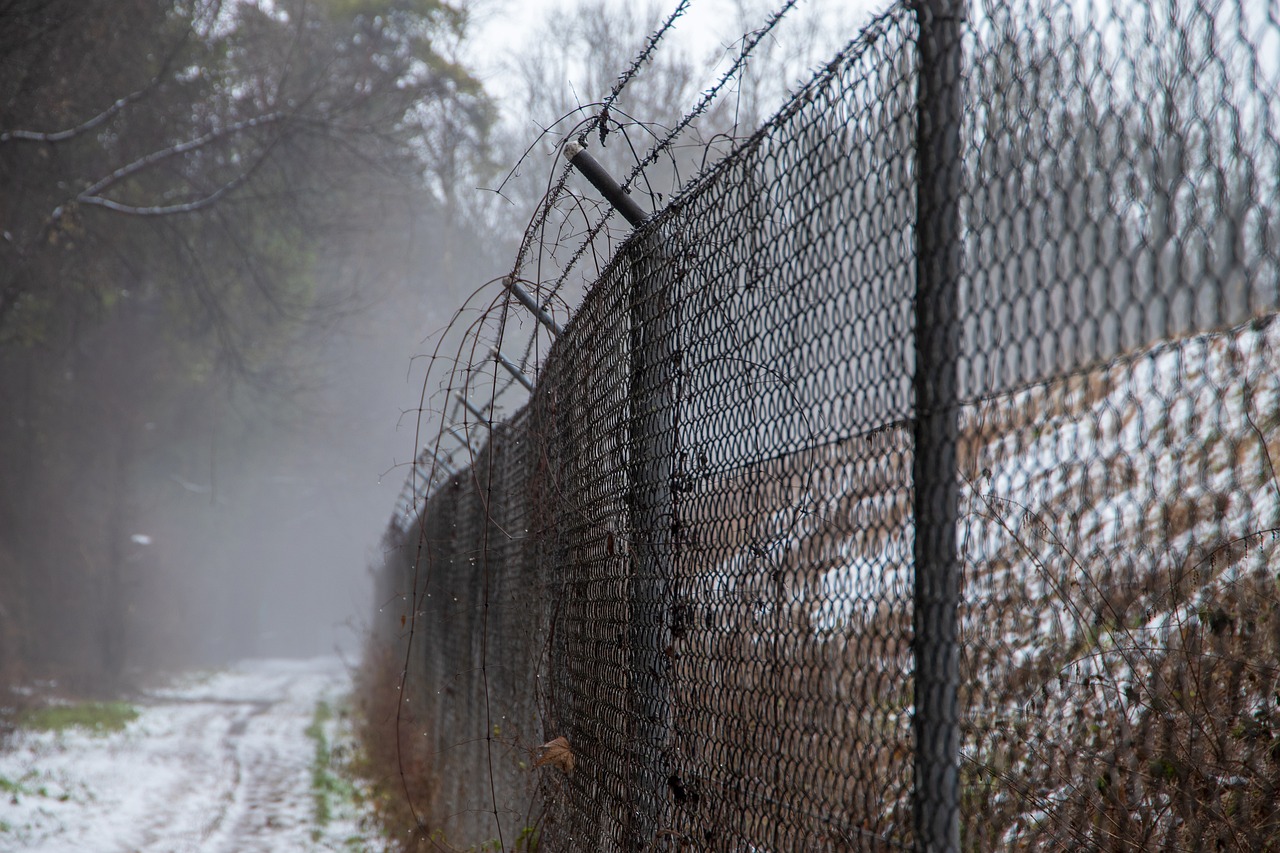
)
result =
(707, 28)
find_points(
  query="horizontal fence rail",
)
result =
(907, 481)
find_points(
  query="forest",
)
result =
(230, 231)
(208, 210)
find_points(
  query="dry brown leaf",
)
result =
(556, 753)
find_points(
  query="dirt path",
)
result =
(218, 764)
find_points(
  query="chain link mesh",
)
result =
(691, 555)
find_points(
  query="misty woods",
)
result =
(206, 209)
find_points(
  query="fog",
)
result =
(234, 236)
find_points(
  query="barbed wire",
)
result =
(655, 151)
(601, 120)
(597, 121)
(535, 235)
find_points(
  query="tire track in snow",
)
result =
(224, 765)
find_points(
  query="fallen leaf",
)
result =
(556, 753)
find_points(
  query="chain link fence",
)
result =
(906, 482)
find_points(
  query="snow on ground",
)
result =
(1181, 429)
(220, 762)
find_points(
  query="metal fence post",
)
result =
(653, 442)
(939, 176)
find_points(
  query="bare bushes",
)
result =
(395, 764)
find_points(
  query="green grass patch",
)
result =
(320, 774)
(327, 784)
(11, 787)
(17, 789)
(98, 717)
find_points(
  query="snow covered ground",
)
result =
(219, 762)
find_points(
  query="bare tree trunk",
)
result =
(113, 612)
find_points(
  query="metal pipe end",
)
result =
(573, 149)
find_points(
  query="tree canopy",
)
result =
(185, 184)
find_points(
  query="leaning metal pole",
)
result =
(939, 182)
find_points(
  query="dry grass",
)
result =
(1120, 631)
(396, 765)
(1163, 733)
(1123, 691)
(1120, 664)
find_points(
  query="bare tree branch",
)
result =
(167, 209)
(69, 133)
(105, 115)
(181, 148)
